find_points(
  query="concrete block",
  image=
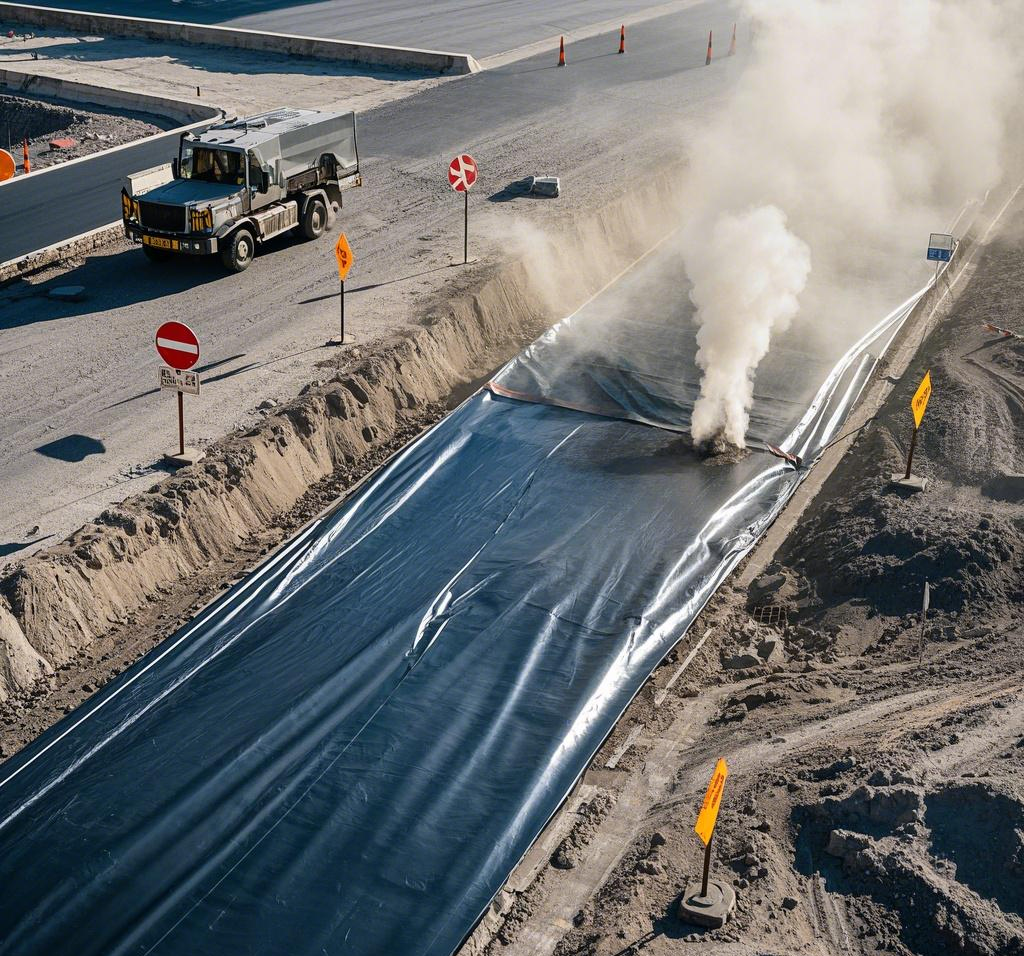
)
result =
(712, 910)
(545, 186)
(912, 484)
(67, 293)
(190, 457)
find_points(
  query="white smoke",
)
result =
(853, 130)
(746, 279)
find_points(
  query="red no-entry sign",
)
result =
(462, 173)
(178, 345)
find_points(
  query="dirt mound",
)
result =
(34, 118)
(888, 548)
(876, 546)
(891, 843)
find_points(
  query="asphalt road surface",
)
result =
(86, 426)
(87, 195)
(479, 27)
(52, 206)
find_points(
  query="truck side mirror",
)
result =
(264, 181)
(174, 168)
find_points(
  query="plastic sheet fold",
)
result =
(350, 751)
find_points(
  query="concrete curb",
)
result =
(363, 54)
(36, 84)
(58, 252)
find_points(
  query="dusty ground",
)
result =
(876, 793)
(41, 121)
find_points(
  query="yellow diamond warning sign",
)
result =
(920, 400)
(712, 801)
(343, 253)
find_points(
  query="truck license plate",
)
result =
(160, 243)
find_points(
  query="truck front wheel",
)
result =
(237, 251)
(315, 219)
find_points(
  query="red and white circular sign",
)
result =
(462, 173)
(177, 345)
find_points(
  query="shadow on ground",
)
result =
(72, 448)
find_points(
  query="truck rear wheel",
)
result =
(237, 252)
(315, 219)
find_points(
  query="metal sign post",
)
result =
(178, 346)
(181, 425)
(345, 257)
(462, 173)
(707, 868)
(924, 616)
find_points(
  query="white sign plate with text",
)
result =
(180, 381)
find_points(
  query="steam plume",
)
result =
(853, 131)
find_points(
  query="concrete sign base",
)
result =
(712, 910)
(190, 457)
(913, 483)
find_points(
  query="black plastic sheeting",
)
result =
(350, 751)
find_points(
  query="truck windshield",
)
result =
(211, 165)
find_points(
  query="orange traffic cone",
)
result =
(24, 153)
(732, 42)
(622, 39)
(561, 51)
(707, 62)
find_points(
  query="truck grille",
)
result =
(156, 215)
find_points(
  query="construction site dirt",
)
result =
(855, 742)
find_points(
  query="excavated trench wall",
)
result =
(55, 604)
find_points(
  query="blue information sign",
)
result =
(940, 247)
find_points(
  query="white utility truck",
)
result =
(244, 181)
